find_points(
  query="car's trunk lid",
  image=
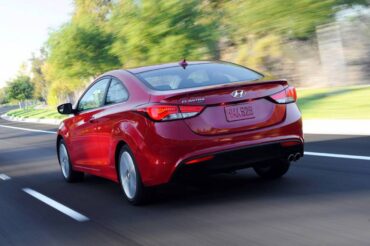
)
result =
(229, 108)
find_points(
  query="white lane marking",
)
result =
(4, 177)
(27, 129)
(355, 157)
(58, 206)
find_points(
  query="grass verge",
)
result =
(33, 113)
(335, 103)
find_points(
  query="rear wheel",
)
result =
(130, 178)
(68, 173)
(275, 170)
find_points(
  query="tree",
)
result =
(20, 88)
(149, 32)
(108, 34)
(257, 31)
(3, 96)
(38, 77)
(80, 50)
(292, 19)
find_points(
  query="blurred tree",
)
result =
(347, 3)
(97, 10)
(20, 89)
(258, 30)
(107, 34)
(3, 96)
(261, 52)
(294, 19)
(160, 31)
(80, 50)
(38, 78)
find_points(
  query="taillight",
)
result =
(160, 112)
(288, 95)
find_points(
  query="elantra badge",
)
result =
(193, 100)
(238, 93)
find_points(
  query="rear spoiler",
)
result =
(183, 92)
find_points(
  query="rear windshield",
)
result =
(196, 75)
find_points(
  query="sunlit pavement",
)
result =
(322, 201)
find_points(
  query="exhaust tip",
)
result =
(291, 157)
(297, 156)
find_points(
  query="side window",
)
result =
(94, 97)
(116, 93)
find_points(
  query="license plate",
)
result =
(239, 112)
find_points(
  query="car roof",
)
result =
(165, 65)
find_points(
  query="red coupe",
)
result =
(144, 126)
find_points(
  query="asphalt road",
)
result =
(321, 201)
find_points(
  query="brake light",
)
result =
(288, 95)
(160, 112)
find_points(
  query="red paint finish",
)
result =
(93, 137)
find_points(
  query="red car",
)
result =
(142, 127)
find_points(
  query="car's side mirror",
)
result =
(65, 108)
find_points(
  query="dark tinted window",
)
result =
(116, 92)
(196, 76)
(94, 96)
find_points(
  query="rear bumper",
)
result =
(167, 146)
(250, 156)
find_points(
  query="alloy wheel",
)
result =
(128, 175)
(64, 160)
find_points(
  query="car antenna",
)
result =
(183, 63)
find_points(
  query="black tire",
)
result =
(142, 194)
(68, 173)
(273, 171)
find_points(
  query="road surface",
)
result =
(321, 201)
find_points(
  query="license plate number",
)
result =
(239, 112)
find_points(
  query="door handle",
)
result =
(92, 120)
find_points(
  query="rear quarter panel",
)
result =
(116, 123)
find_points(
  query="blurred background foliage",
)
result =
(111, 34)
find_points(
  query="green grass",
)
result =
(48, 113)
(335, 103)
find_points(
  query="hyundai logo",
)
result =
(238, 93)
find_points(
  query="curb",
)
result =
(32, 120)
(340, 127)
